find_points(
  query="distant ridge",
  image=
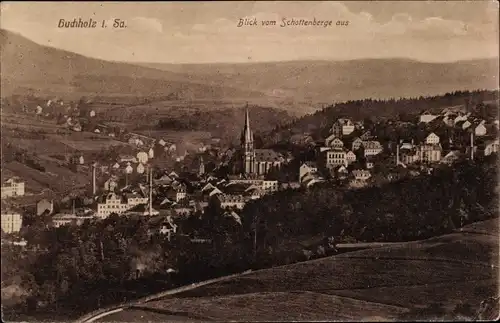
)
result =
(26, 64)
(299, 86)
(326, 81)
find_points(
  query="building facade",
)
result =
(12, 187)
(11, 221)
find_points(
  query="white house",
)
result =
(372, 148)
(350, 157)
(110, 185)
(231, 201)
(140, 169)
(432, 139)
(427, 117)
(334, 142)
(307, 168)
(361, 174)
(466, 124)
(127, 158)
(12, 187)
(480, 129)
(151, 153)
(11, 221)
(142, 157)
(335, 158)
(491, 147)
(342, 127)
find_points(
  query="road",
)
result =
(98, 314)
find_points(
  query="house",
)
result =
(43, 206)
(312, 181)
(430, 153)
(231, 201)
(62, 219)
(12, 187)
(350, 157)
(177, 193)
(142, 157)
(491, 146)
(342, 127)
(142, 209)
(140, 168)
(111, 184)
(127, 159)
(361, 174)
(366, 136)
(208, 187)
(465, 124)
(432, 139)
(81, 160)
(347, 126)
(168, 227)
(77, 127)
(111, 203)
(427, 117)
(151, 153)
(133, 199)
(164, 180)
(269, 186)
(11, 221)
(372, 148)
(460, 117)
(357, 143)
(341, 172)
(334, 142)
(409, 156)
(307, 168)
(451, 157)
(162, 142)
(333, 158)
(480, 129)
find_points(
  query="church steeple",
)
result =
(247, 135)
(247, 146)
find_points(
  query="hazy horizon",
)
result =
(207, 32)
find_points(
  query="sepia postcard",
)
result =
(249, 161)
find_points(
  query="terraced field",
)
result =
(372, 284)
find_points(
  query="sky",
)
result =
(207, 32)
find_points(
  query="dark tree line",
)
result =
(123, 257)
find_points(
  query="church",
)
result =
(256, 162)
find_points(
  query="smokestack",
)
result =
(150, 191)
(472, 145)
(94, 188)
(397, 154)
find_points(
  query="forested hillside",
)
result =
(384, 110)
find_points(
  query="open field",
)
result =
(372, 284)
(54, 178)
(177, 136)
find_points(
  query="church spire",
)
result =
(247, 135)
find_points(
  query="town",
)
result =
(354, 155)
